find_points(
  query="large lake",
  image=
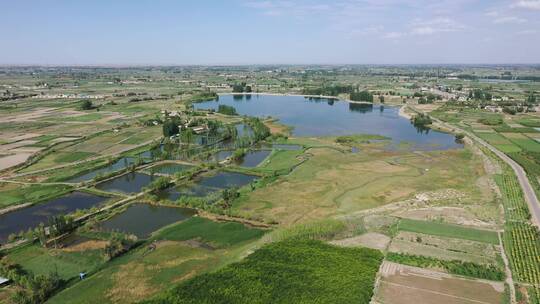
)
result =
(325, 117)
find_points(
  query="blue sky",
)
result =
(139, 32)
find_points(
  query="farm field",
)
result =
(404, 284)
(342, 202)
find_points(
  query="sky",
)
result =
(230, 32)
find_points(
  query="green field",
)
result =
(12, 194)
(213, 233)
(141, 273)
(299, 271)
(449, 230)
(41, 261)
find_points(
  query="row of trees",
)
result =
(241, 88)
(333, 90)
(361, 96)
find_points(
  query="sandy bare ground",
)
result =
(14, 137)
(64, 139)
(399, 284)
(371, 240)
(16, 144)
(455, 215)
(37, 113)
(13, 160)
(87, 245)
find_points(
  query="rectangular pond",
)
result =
(22, 219)
(117, 165)
(208, 184)
(253, 158)
(143, 219)
(132, 182)
(170, 168)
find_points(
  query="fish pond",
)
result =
(143, 219)
(328, 117)
(118, 165)
(253, 158)
(206, 185)
(25, 218)
(132, 182)
(170, 168)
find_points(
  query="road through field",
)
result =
(528, 191)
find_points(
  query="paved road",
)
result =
(528, 191)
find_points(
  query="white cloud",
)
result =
(434, 26)
(527, 32)
(492, 13)
(278, 8)
(393, 35)
(527, 4)
(509, 19)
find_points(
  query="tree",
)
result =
(87, 105)
(170, 128)
(248, 89)
(238, 88)
(362, 96)
(227, 110)
(187, 136)
(381, 99)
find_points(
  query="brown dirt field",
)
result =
(13, 160)
(35, 114)
(87, 245)
(130, 284)
(371, 240)
(514, 135)
(401, 284)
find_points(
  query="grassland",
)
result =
(332, 182)
(287, 272)
(68, 264)
(13, 194)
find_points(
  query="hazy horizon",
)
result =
(253, 32)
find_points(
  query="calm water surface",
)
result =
(323, 117)
(128, 183)
(31, 217)
(118, 165)
(143, 219)
(170, 169)
(208, 184)
(253, 158)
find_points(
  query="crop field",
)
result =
(445, 248)
(404, 284)
(449, 230)
(297, 271)
(212, 233)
